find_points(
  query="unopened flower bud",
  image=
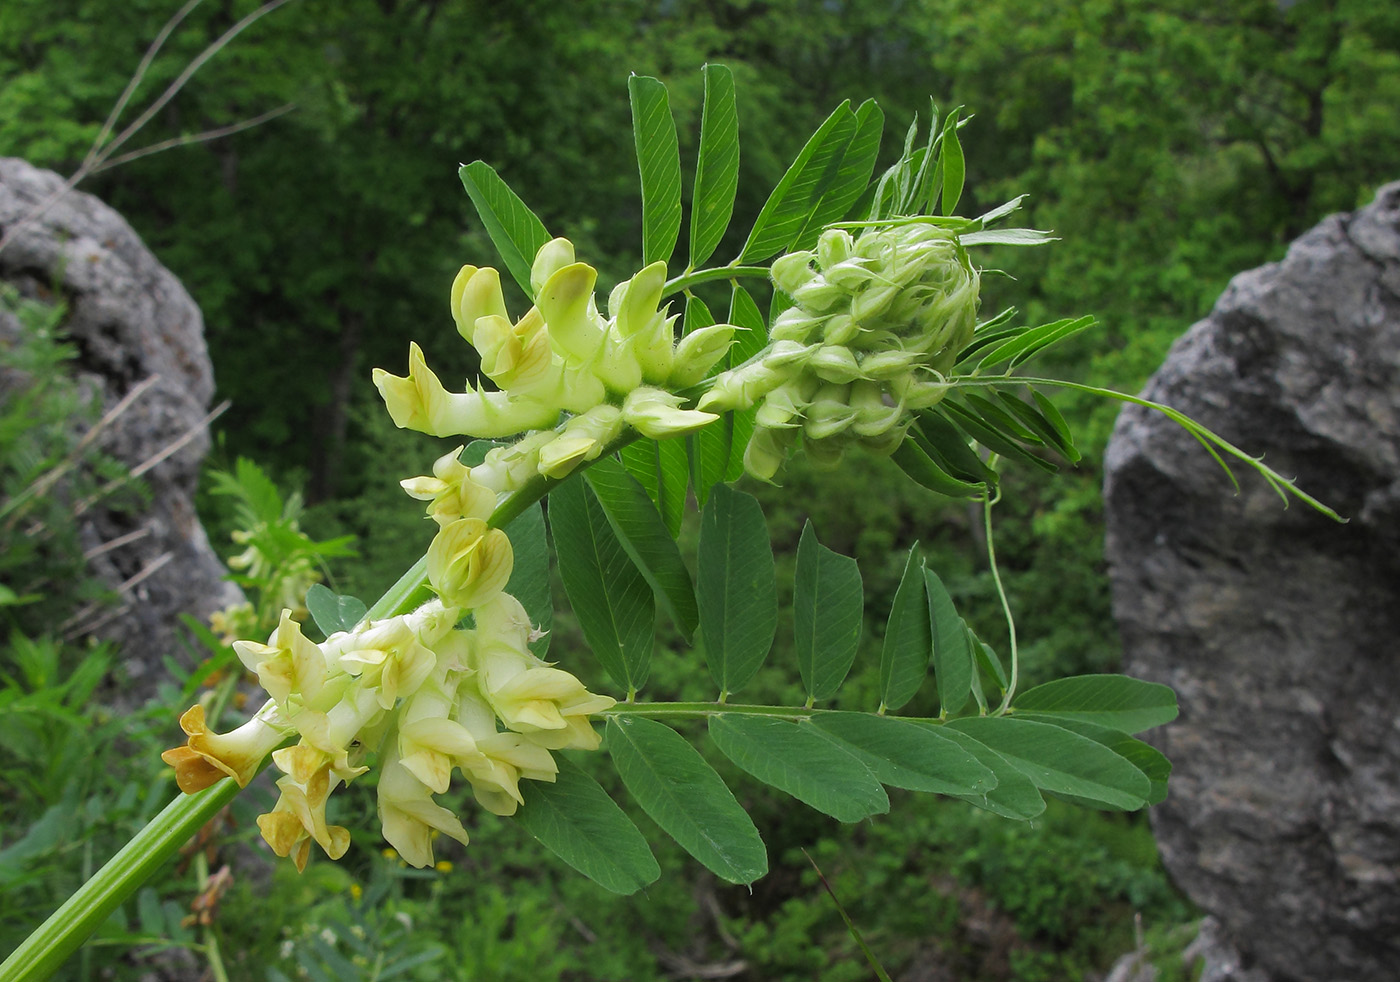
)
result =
(841, 329)
(819, 295)
(835, 363)
(766, 451)
(796, 324)
(656, 413)
(829, 413)
(833, 247)
(697, 353)
(793, 271)
(874, 415)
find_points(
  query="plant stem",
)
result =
(687, 280)
(987, 503)
(41, 954)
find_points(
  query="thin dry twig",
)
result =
(99, 155)
(117, 543)
(170, 448)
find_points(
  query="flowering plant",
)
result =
(618, 414)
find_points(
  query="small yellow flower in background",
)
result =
(656, 413)
(443, 866)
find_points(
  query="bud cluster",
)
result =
(424, 695)
(877, 323)
(563, 358)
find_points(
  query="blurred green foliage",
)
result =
(1170, 143)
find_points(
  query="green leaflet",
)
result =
(750, 339)
(659, 163)
(952, 655)
(905, 655)
(1033, 340)
(610, 597)
(708, 449)
(954, 167)
(686, 797)
(797, 194)
(1145, 757)
(903, 754)
(737, 587)
(717, 167)
(849, 175)
(648, 543)
(661, 468)
(576, 820)
(924, 471)
(799, 761)
(1015, 795)
(1059, 761)
(1115, 701)
(513, 227)
(333, 612)
(827, 613)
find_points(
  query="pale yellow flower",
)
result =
(451, 491)
(469, 562)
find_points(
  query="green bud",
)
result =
(697, 353)
(818, 295)
(841, 329)
(829, 412)
(874, 415)
(792, 272)
(766, 451)
(835, 363)
(795, 324)
(834, 247)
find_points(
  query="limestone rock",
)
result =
(1277, 627)
(137, 331)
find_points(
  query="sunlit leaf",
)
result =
(513, 227)
(659, 162)
(1060, 761)
(737, 587)
(576, 820)
(849, 175)
(799, 191)
(683, 794)
(907, 755)
(1116, 701)
(649, 545)
(796, 760)
(827, 609)
(609, 595)
(717, 168)
(904, 656)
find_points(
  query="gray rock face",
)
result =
(1278, 628)
(139, 335)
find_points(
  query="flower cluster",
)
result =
(561, 359)
(877, 324)
(421, 693)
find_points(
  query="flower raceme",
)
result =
(876, 326)
(421, 695)
(563, 358)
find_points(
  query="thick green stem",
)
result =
(41, 954)
(687, 280)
